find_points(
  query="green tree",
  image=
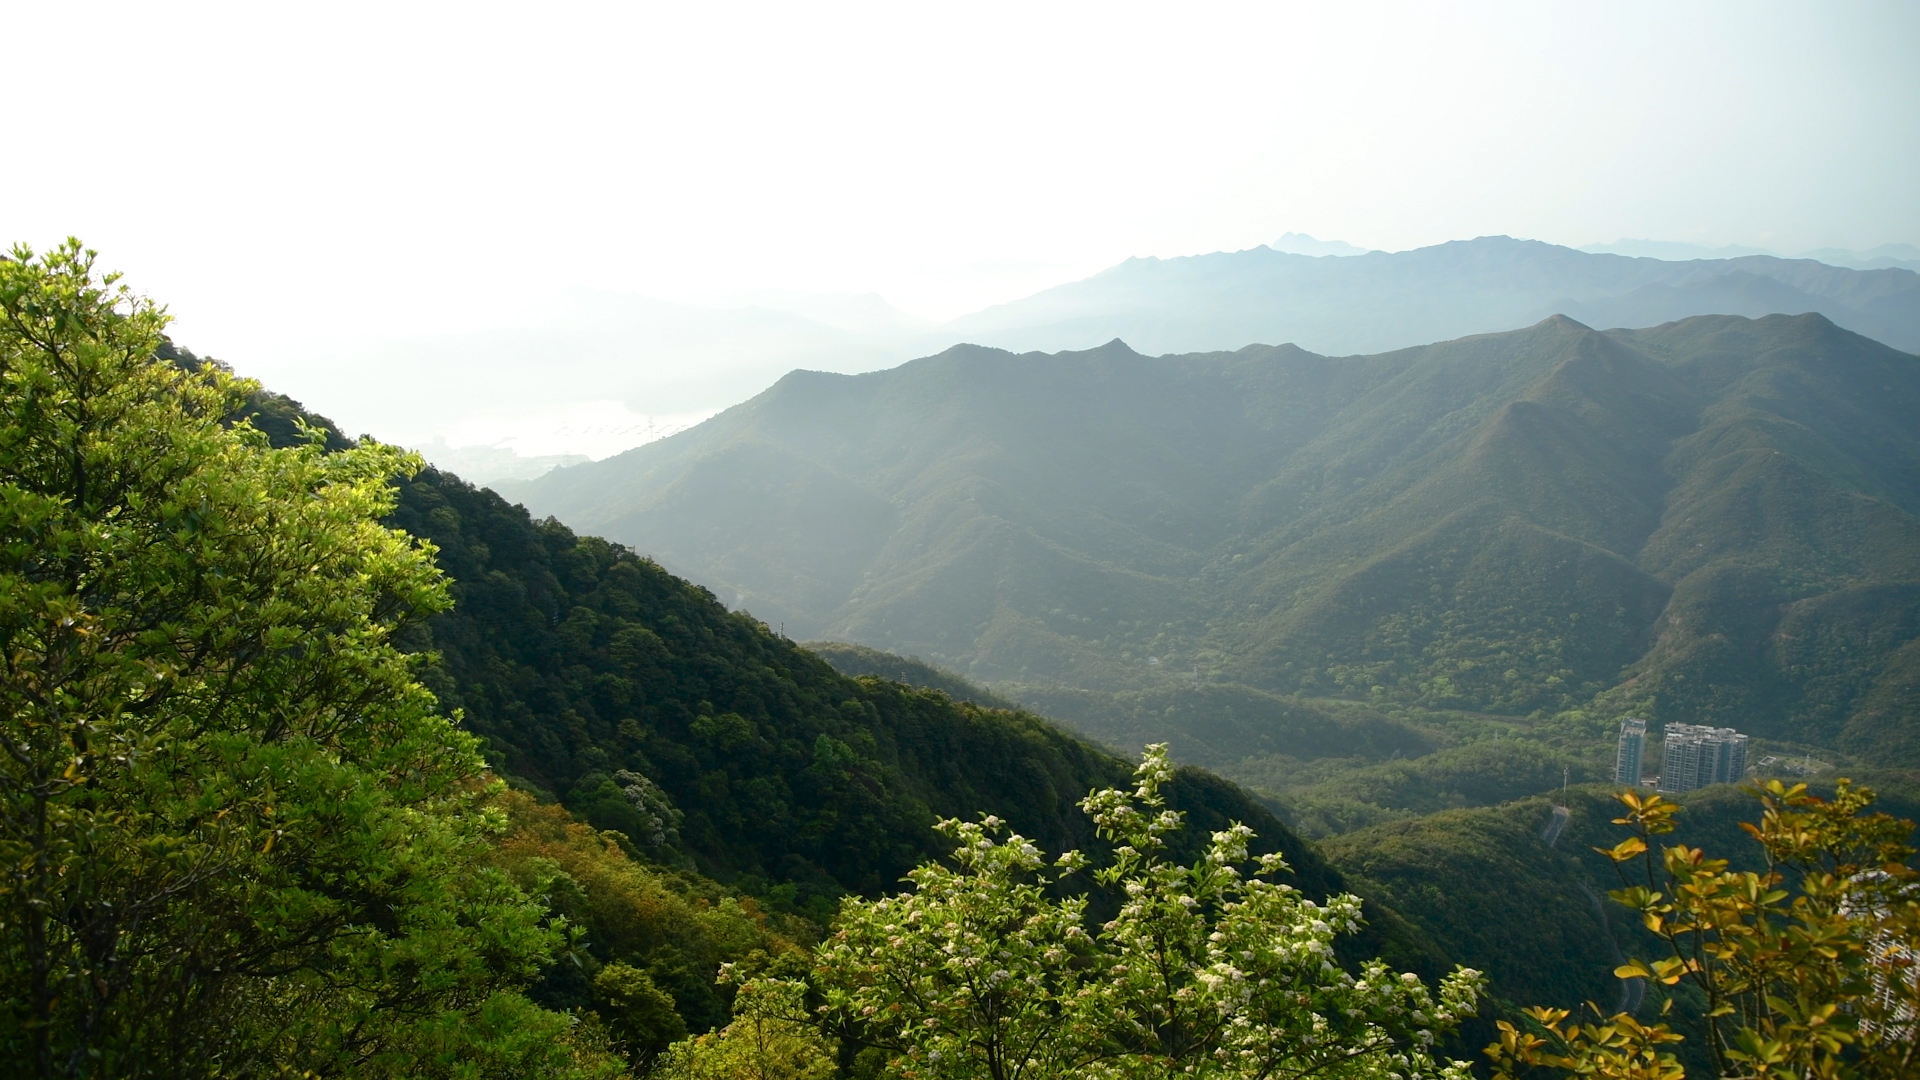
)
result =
(1214, 973)
(236, 834)
(638, 1013)
(1203, 971)
(769, 1039)
(1806, 968)
(976, 972)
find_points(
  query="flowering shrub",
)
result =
(985, 970)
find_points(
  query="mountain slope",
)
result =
(858, 660)
(647, 707)
(706, 743)
(1487, 884)
(587, 667)
(1717, 518)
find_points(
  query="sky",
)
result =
(305, 185)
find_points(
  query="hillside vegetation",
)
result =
(1712, 520)
(1485, 882)
(857, 660)
(632, 696)
(743, 785)
(320, 764)
(646, 706)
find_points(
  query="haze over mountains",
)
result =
(1392, 300)
(1885, 256)
(661, 359)
(1716, 519)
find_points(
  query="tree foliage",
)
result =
(769, 1039)
(645, 941)
(236, 834)
(1806, 968)
(985, 970)
(978, 971)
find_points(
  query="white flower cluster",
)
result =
(985, 970)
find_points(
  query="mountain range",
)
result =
(1381, 301)
(708, 743)
(1885, 256)
(1397, 596)
(658, 358)
(1715, 520)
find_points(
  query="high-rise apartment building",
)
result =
(1633, 744)
(1696, 755)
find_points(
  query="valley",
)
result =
(1303, 571)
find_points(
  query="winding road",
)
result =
(1551, 834)
(1632, 991)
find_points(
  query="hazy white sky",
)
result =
(284, 173)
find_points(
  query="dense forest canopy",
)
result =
(239, 836)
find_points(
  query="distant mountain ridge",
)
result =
(664, 358)
(1714, 519)
(1895, 256)
(1301, 244)
(1381, 301)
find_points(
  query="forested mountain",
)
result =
(643, 704)
(1712, 520)
(639, 703)
(589, 668)
(1415, 507)
(857, 660)
(1390, 300)
(695, 789)
(650, 708)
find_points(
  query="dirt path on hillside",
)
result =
(1632, 991)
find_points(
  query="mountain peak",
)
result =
(1301, 244)
(1114, 348)
(1562, 322)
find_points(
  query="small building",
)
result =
(1633, 745)
(1696, 755)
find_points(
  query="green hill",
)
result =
(1711, 520)
(1487, 886)
(645, 706)
(858, 660)
(582, 664)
